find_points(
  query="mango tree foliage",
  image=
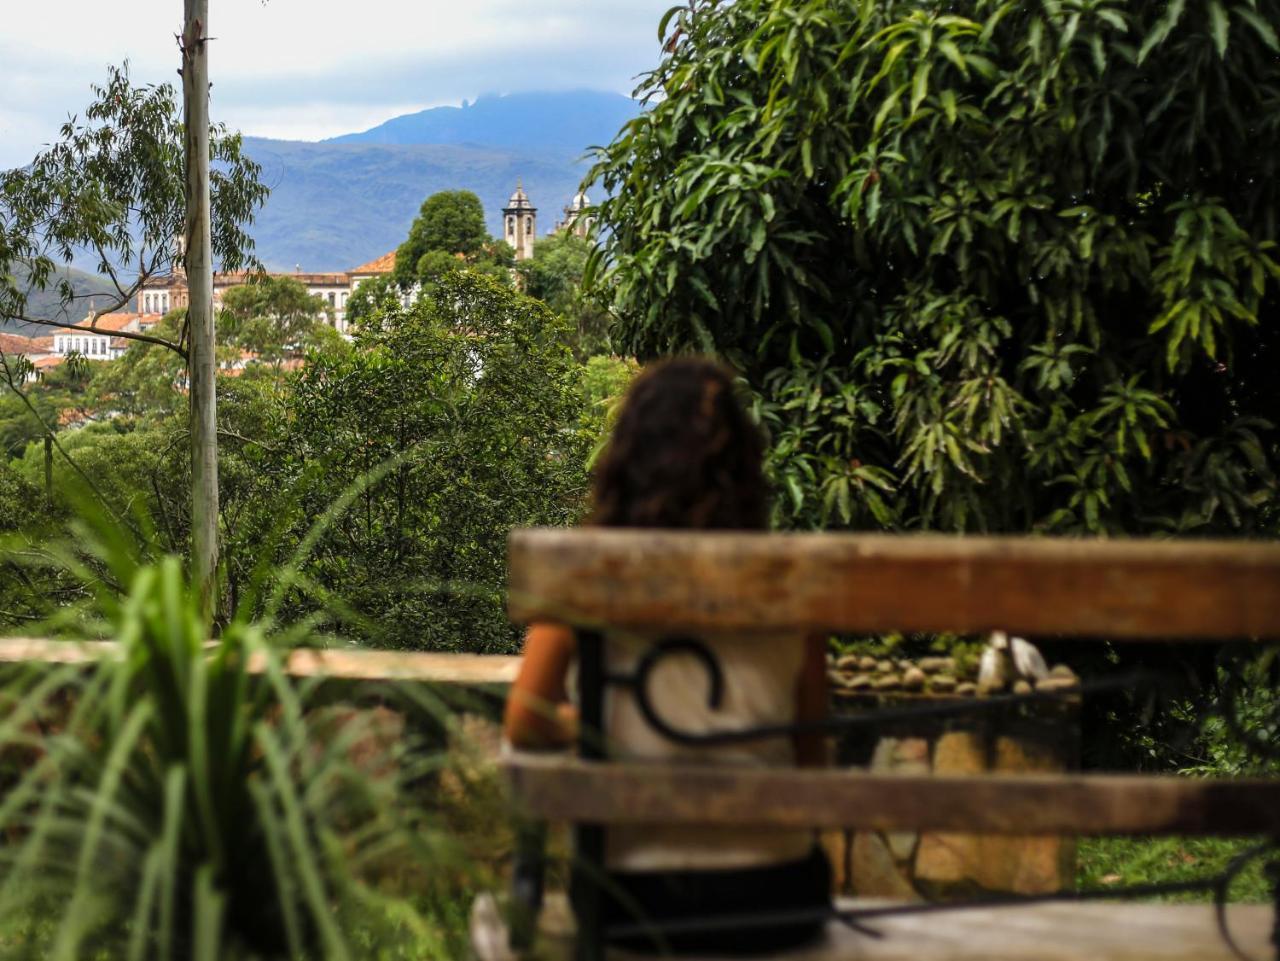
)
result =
(987, 265)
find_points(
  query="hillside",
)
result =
(345, 201)
(47, 304)
(567, 122)
(335, 206)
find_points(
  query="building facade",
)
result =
(159, 295)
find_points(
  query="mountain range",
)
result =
(344, 201)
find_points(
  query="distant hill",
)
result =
(47, 304)
(566, 122)
(335, 206)
(342, 202)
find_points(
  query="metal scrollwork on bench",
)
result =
(638, 683)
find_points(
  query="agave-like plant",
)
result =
(188, 799)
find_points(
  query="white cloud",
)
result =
(313, 68)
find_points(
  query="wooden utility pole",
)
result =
(199, 266)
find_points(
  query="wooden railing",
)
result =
(351, 666)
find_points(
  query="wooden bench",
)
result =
(681, 583)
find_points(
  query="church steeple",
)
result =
(520, 223)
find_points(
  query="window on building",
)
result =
(511, 226)
(528, 226)
(147, 305)
(333, 299)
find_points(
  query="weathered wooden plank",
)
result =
(347, 665)
(1034, 932)
(563, 788)
(766, 582)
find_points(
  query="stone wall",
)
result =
(907, 865)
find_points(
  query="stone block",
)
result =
(960, 752)
(902, 845)
(947, 859)
(883, 755)
(910, 751)
(1028, 864)
(942, 857)
(873, 872)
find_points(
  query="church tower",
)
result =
(520, 223)
(577, 216)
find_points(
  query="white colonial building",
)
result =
(519, 228)
(95, 337)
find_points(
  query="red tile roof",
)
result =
(108, 323)
(17, 344)
(383, 265)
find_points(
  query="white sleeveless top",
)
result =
(760, 678)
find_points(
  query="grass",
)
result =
(1105, 862)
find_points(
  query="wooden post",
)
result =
(586, 884)
(199, 268)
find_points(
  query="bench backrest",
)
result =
(677, 584)
(1140, 589)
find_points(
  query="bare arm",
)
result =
(538, 713)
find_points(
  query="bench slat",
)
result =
(556, 787)
(677, 580)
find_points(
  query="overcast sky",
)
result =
(307, 69)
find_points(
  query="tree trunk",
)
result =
(199, 266)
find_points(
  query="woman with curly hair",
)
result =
(685, 455)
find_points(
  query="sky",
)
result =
(308, 69)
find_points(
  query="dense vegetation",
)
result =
(432, 434)
(1007, 267)
(1003, 267)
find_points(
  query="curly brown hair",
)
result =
(684, 454)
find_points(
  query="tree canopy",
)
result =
(113, 185)
(272, 317)
(998, 266)
(449, 222)
(554, 275)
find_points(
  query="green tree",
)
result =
(145, 382)
(451, 221)
(369, 296)
(462, 414)
(999, 266)
(114, 184)
(554, 275)
(274, 317)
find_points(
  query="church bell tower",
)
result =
(520, 223)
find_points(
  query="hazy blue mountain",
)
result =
(568, 122)
(335, 206)
(343, 202)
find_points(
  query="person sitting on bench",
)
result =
(684, 454)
